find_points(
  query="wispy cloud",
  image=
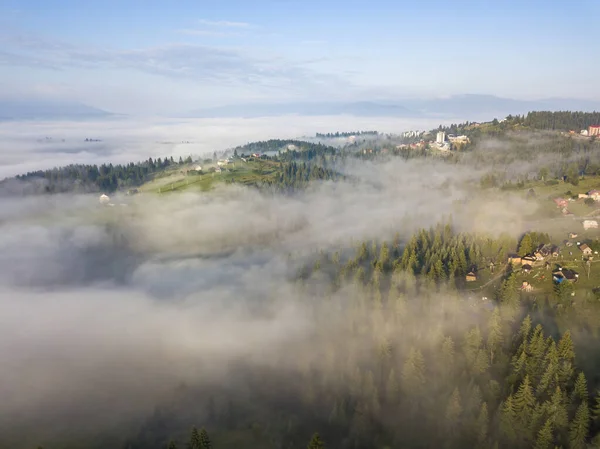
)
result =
(224, 23)
(210, 33)
(197, 63)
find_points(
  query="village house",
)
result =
(563, 274)
(561, 202)
(514, 259)
(471, 277)
(528, 260)
(527, 287)
(594, 194)
(590, 224)
(585, 249)
(572, 235)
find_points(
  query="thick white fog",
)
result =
(37, 145)
(105, 310)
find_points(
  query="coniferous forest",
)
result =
(387, 342)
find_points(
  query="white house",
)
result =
(590, 224)
(595, 194)
(104, 199)
(198, 168)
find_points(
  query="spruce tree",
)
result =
(453, 410)
(526, 245)
(413, 373)
(544, 437)
(315, 442)
(508, 421)
(195, 442)
(580, 391)
(524, 404)
(596, 410)
(525, 329)
(482, 425)
(205, 442)
(579, 427)
(495, 338)
(556, 411)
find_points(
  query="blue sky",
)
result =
(164, 56)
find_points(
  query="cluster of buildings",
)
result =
(592, 131)
(412, 134)
(563, 203)
(539, 255)
(444, 141)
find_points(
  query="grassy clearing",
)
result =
(246, 173)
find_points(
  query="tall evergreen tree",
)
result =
(580, 390)
(315, 442)
(195, 442)
(482, 425)
(508, 420)
(579, 427)
(495, 338)
(205, 442)
(544, 437)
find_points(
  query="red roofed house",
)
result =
(561, 202)
(595, 194)
(594, 130)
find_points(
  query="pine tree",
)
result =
(544, 437)
(453, 410)
(579, 427)
(596, 410)
(172, 445)
(556, 411)
(524, 403)
(580, 391)
(526, 245)
(508, 421)
(205, 442)
(315, 442)
(525, 329)
(195, 442)
(495, 338)
(566, 355)
(482, 424)
(448, 356)
(413, 373)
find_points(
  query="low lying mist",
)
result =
(105, 311)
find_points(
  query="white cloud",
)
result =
(224, 23)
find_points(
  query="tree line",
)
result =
(346, 134)
(93, 178)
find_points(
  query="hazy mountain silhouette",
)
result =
(470, 106)
(31, 109)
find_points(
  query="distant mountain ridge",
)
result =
(28, 109)
(473, 106)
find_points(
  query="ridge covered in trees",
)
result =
(346, 134)
(401, 360)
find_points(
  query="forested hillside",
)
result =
(561, 121)
(403, 360)
(92, 178)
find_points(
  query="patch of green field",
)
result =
(564, 189)
(245, 173)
